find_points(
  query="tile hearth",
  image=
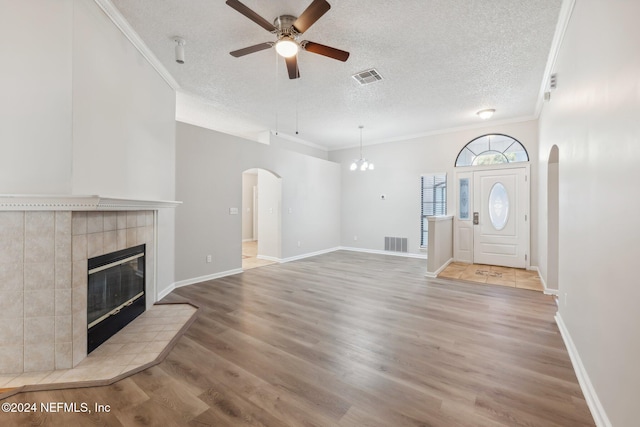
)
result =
(136, 346)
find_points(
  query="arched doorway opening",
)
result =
(553, 220)
(261, 218)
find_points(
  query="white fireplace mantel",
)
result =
(49, 202)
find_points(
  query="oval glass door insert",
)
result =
(498, 206)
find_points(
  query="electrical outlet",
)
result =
(355, 238)
(209, 258)
(566, 295)
(299, 244)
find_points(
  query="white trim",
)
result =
(123, 25)
(566, 10)
(49, 202)
(411, 137)
(546, 291)
(438, 271)
(213, 276)
(163, 293)
(269, 258)
(379, 252)
(310, 254)
(590, 395)
(285, 136)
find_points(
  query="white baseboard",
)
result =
(310, 254)
(379, 252)
(213, 276)
(597, 411)
(163, 293)
(434, 274)
(546, 291)
(269, 258)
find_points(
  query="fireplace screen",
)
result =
(115, 294)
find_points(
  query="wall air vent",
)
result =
(553, 81)
(395, 244)
(367, 76)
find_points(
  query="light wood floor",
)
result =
(494, 275)
(250, 256)
(347, 339)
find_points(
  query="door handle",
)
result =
(475, 218)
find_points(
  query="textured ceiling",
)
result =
(442, 61)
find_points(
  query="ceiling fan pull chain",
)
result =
(297, 103)
(277, 89)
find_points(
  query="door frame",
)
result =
(463, 229)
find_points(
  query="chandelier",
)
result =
(361, 163)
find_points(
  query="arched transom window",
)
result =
(491, 150)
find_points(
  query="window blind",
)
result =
(433, 196)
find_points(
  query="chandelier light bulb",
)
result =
(361, 163)
(287, 47)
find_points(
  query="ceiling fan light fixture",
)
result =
(287, 47)
(486, 114)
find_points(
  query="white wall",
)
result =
(123, 114)
(594, 119)
(35, 105)
(398, 167)
(249, 181)
(83, 113)
(269, 215)
(209, 182)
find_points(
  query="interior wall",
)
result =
(209, 182)
(553, 207)
(398, 166)
(593, 119)
(84, 112)
(35, 106)
(249, 181)
(269, 214)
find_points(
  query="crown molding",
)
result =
(54, 202)
(123, 25)
(566, 10)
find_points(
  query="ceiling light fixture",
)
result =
(361, 163)
(486, 114)
(287, 47)
(180, 42)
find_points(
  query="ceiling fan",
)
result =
(288, 29)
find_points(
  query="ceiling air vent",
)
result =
(367, 76)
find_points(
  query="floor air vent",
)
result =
(395, 244)
(367, 76)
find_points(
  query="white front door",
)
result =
(501, 217)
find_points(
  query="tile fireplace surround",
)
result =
(44, 250)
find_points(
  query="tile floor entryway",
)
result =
(137, 344)
(494, 275)
(250, 256)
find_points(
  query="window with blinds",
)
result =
(433, 196)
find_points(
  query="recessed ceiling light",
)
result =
(486, 114)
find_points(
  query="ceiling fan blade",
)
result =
(251, 49)
(310, 15)
(251, 15)
(328, 51)
(292, 67)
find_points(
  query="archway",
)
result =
(261, 218)
(553, 223)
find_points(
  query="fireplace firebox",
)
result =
(116, 293)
